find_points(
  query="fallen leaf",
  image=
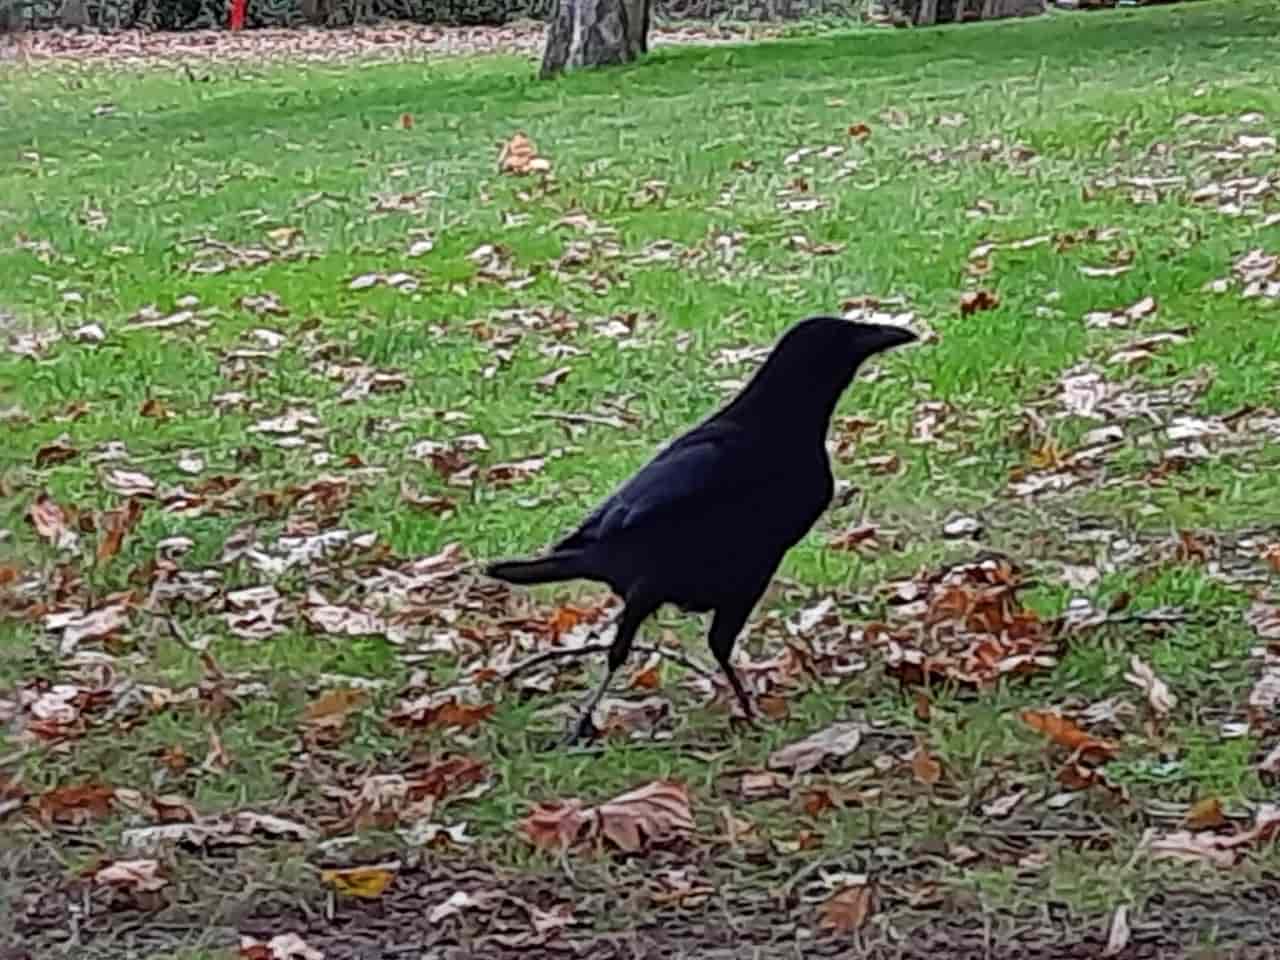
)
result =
(1065, 733)
(1187, 846)
(1118, 932)
(449, 712)
(368, 883)
(550, 381)
(519, 156)
(136, 875)
(846, 910)
(115, 526)
(1271, 762)
(1003, 806)
(926, 768)
(96, 624)
(331, 708)
(649, 814)
(762, 784)
(974, 300)
(654, 811)
(51, 523)
(1157, 692)
(859, 131)
(837, 740)
(129, 483)
(1205, 814)
(75, 805)
(59, 451)
(556, 826)
(285, 946)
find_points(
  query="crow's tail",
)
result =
(554, 567)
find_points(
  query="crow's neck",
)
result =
(792, 418)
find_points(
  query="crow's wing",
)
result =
(705, 466)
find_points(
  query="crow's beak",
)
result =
(887, 336)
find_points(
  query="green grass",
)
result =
(687, 148)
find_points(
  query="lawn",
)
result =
(287, 355)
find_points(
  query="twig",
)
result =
(615, 422)
(589, 648)
(1153, 616)
(813, 866)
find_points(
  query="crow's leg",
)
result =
(725, 626)
(633, 614)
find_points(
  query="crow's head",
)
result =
(825, 352)
(837, 343)
(810, 367)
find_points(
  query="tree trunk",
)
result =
(75, 14)
(595, 33)
(316, 12)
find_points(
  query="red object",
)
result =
(237, 14)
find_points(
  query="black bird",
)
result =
(706, 522)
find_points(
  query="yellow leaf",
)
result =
(1205, 814)
(367, 882)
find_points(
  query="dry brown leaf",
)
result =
(628, 716)
(775, 708)
(555, 826)
(59, 451)
(135, 875)
(654, 812)
(835, 741)
(1187, 846)
(129, 483)
(75, 805)
(115, 526)
(926, 768)
(1213, 848)
(332, 707)
(449, 713)
(975, 300)
(760, 784)
(1065, 733)
(99, 624)
(1205, 814)
(649, 814)
(52, 523)
(1157, 691)
(1003, 806)
(1271, 554)
(218, 758)
(647, 679)
(519, 156)
(846, 910)
(285, 946)
(859, 131)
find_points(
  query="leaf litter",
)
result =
(964, 626)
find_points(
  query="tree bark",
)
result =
(74, 13)
(595, 33)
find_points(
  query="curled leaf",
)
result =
(838, 740)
